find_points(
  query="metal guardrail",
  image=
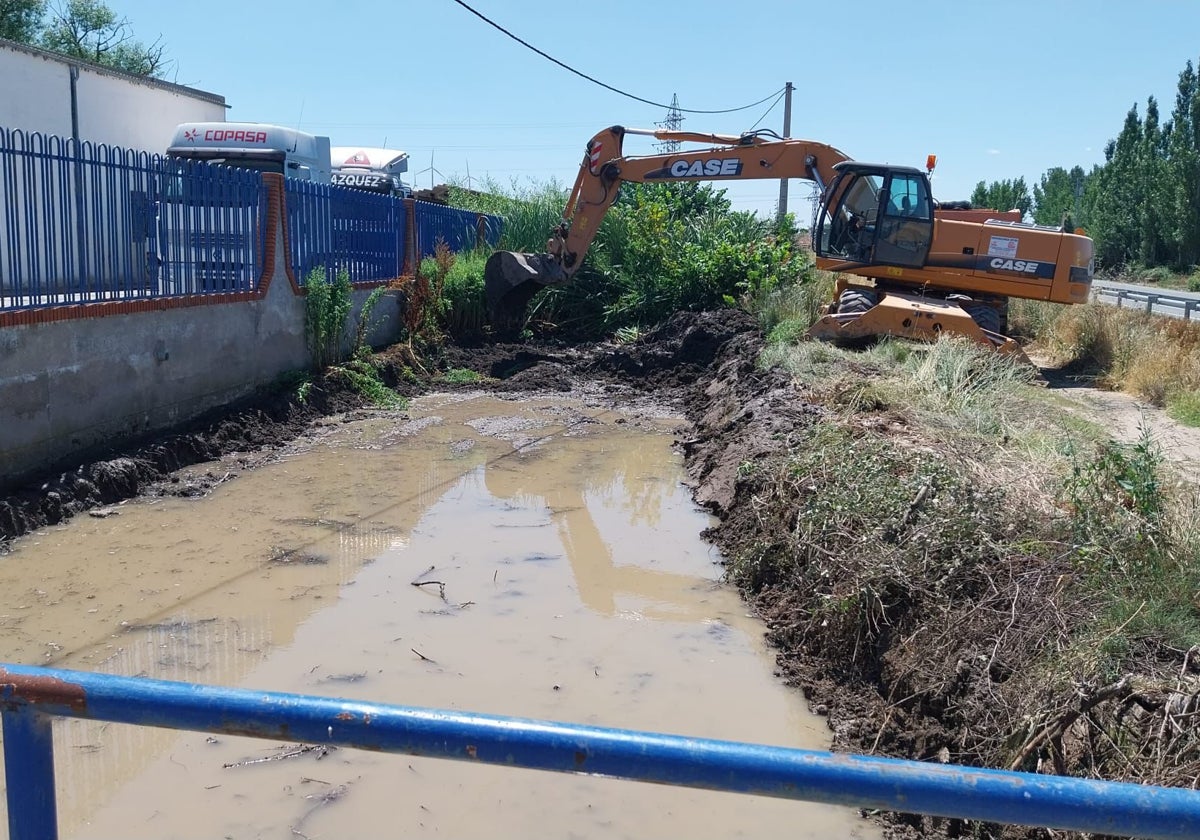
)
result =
(1150, 301)
(31, 697)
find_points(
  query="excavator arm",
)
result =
(511, 279)
(927, 269)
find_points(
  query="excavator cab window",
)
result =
(876, 215)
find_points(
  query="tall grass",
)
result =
(786, 311)
(1157, 359)
(326, 307)
(463, 310)
(530, 211)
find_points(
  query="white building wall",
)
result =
(35, 92)
(122, 112)
(113, 108)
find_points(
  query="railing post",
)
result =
(29, 774)
(1150, 301)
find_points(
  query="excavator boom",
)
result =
(928, 269)
(511, 279)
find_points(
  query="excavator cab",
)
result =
(875, 214)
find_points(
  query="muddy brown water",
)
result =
(563, 578)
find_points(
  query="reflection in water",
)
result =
(577, 475)
(576, 588)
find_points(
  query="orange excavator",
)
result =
(910, 267)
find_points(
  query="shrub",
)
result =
(463, 305)
(326, 307)
(660, 248)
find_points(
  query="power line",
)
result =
(770, 109)
(595, 81)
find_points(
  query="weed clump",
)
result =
(1155, 358)
(327, 307)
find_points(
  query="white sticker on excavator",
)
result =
(1002, 246)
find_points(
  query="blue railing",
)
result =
(332, 228)
(31, 697)
(459, 229)
(85, 222)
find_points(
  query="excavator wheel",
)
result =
(985, 315)
(856, 301)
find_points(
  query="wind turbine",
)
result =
(431, 170)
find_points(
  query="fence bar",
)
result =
(857, 781)
(29, 774)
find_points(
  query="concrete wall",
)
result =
(111, 107)
(79, 384)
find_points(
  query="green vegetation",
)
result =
(363, 378)
(661, 248)
(1157, 359)
(84, 29)
(461, 376)
(1003, 195)
(327, 306)
(1184, 406)
(462, 309)
(975, 555)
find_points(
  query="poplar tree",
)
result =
(1003, 195)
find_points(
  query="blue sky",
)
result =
(994, 89)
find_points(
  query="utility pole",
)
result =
(787, 133)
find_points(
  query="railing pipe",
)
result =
(29, 775)
(857, 781)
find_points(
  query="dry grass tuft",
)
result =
(1157, 359)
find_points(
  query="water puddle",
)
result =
(537, 559)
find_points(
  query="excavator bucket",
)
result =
(510, 280)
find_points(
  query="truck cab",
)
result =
(267, 148)
(370, 168)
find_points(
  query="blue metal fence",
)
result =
(459, 229)
(30, 697)
(84, 222)
(332, 228)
